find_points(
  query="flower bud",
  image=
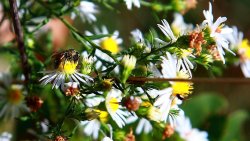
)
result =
(168, 132)
(34, 103)
(87, 63)
(132, 103)
(127, 65)
(60, 138)
(130, 136)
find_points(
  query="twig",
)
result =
(19, 38)
(194, 80)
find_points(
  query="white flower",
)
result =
(186, 132)
(165, 28)
(245, 67)
(138, 38)
(217, 32)
(144, 125)
(235, 38)
(129, 3)
(163, 101)
(66, 69)
(5, 136)
(92, 100)
(184, 61)
(87, 11)
(91, 128)
(172, 66)
(113, 107)
(106, 138)
(12, 101)
(166, 99)
(243, 49)
(179, 26)
(12, 98)
(110, 43)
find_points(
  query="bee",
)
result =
(180, 97)
(67, 55)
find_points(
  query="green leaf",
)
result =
(200, 107)
(233, 127)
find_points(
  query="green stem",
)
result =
(73, 29)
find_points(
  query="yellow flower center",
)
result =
(15, 96)
(244, 49)
(176, 30)
(182, 88)
(146, 104)
(103, 115)
(68, 67)
(114, 105)
(154, 114)
(110, 44)
(186, 52)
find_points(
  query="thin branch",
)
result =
(19, 38)
(142, 80)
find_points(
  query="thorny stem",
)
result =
(73, 29)
(19, 38)
(194, 80)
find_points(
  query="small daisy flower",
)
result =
(184, 54)
(184, 128)
(242, 47)
(87, 11)
(244, 52)
(110, 43)
(171, 69)
(178, 26)
(167, 31)
(113, 107)
(167, 99)
(96, 123)
(184, 62)
(138, 38)
(5, 136)
(66, 69)
(217, 32)
(12, 100)
(129, 3)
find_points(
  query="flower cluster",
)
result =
(107, 86)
